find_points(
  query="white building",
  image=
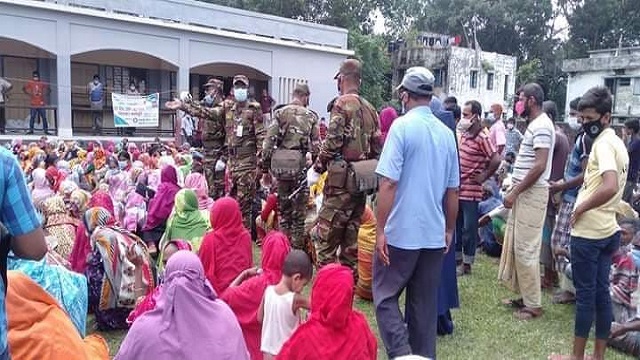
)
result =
(467, 74)
(617, 69)
(164, 46)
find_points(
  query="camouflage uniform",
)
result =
(213, 139)
(294, 127)
(353, 135)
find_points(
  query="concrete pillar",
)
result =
(64, 80)
(184, 66)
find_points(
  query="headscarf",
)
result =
(198, 182)
(67, 187)
(64, 167)
(162, 203)
(149, 302)
(366, 252)
(111, 244)
(41, 187)
(81, 199)
(39, 328)
(82, 246)
(334, 330)
(226, 250)
(189, 321)
(245, 299)
(387, 116)
(187, 221)
(185, 169)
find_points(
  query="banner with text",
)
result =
(135, 110)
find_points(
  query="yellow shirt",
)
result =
(608, 153)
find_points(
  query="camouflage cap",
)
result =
(213, 82)
(241, 79)
(302, 89)
(349, 67)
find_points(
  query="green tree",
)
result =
(602, 24)
(376, 65)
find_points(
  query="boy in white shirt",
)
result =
(279, 311)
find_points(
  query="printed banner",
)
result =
(135, 110)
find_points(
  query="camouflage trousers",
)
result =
(336, 232)
(244, 191)
(293, 212)
(215, 179)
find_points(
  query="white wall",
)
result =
(579, 83)
(462, 62)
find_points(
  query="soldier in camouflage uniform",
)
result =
(294, 127)
(241, 120)
(213, 135)
(353, 135)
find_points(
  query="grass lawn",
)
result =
(483, 328)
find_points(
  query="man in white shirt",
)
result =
(5, 87)
(527, 199)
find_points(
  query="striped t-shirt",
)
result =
(475, 153)
(540, 134)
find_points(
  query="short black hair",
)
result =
(96, 76)
(35, 73)
(573, 105)
(451, 100)
(632, 222)
(511, 120)
(633, 124)
(510, 154)
(123, 155)
(551, 109)
(476, 108)
(457, 112)
(598, 98)
(298, 262)
(535, 91)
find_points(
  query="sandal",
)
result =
(563, 298)
(514, 303)
(527, 313)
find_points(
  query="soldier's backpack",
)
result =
(287, 164)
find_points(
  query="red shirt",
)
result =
(475, 154)
(36, 90)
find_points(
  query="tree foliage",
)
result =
(523, 28)
(602, 24)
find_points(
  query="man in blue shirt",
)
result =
(20, 219)
(417, 210)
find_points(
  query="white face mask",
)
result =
(464, 124)
(510, 126)
(573, 122)
(240, 94)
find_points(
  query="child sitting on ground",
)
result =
(279, 311)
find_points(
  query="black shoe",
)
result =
(30, 132)
(47, 133)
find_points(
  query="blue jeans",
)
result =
(42, 114)
(467, 228)
(591, 264)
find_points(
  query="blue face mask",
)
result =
(122, 165)
(208, 99)
(240, 94)
(635, 253)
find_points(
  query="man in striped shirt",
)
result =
(479, 160)
(527, 199)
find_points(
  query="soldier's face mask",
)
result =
(240, 94)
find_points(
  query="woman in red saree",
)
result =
(226, 250)
(82, 246)
(244, 299)
(334, 330)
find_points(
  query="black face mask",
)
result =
(593, 128)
